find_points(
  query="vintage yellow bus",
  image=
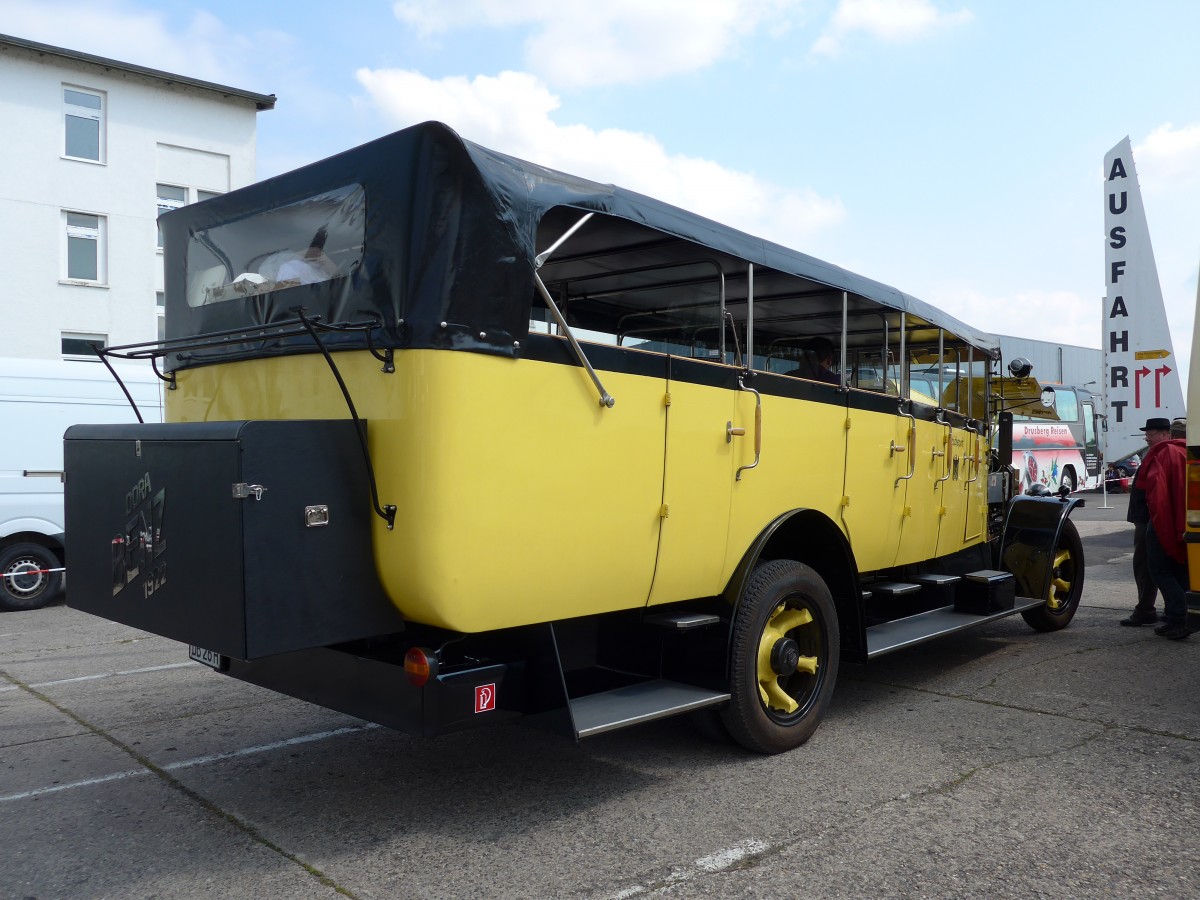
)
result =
(452, 438)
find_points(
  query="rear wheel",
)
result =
(1066, 583)
(783, 658)
(26, 581)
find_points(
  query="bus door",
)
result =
(921, 517)
(701, 447)
(1091, 444)
(879, 466)
(967, 396)
(798, 463)
(974, 484)
(952, 484)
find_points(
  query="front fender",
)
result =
(1031, 530)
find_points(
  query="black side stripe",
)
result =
(625, 361)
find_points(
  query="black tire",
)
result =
(24, 581)
(786, 618)
(1068, 480)
(1066, 584)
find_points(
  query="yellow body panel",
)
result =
(922, 515)
(878, 448)
(974, 487)
(801, 465)
(699, 481)
(520, 499)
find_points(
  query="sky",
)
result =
(950, 148)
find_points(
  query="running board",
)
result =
(926, 626)
(637, 703)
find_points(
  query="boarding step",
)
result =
(938, 589)
(986, 591)
(637, 703)
(900, 633)
(892, 588)
(683, 621)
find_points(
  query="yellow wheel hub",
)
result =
(781, 621)
(1060, 588)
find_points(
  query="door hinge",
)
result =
(664, 511)
(241, 491)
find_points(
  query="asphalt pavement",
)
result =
(1000, 763)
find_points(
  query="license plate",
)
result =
(210, 658)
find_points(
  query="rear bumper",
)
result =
(379, 691)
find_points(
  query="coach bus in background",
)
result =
(693, 486)
(1055, 440)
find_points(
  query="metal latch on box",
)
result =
(241, 491)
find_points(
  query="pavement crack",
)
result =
(175, 784)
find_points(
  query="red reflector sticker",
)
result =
(485, 698)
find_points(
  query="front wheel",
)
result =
(1068, 481)
(783, 658)
(1066, 583)
(26, 576)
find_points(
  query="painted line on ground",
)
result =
(707, 865)
(43, 684)
(189, 763)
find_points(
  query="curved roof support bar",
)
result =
(541, 258)
(606, 399)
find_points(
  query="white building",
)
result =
(96, 149)
(1057, 363)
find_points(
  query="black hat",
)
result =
(1157, 425)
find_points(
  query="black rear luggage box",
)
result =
(168, 532)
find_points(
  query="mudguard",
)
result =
(1031, 531)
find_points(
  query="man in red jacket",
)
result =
(1162, 476)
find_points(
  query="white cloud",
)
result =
(615, 42)
(891, 21)
(1169, 157)
(511, 113)
(1048, 315)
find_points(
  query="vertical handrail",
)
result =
(975, 457)
(946, 454)
(757, 428)
(912, 444)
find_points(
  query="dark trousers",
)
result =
(1147, 591)
(1171, 578)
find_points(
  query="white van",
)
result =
(38, 400)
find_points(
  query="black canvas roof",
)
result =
(450, 235)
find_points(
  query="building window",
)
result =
(85, 256)
(162, 328)
(78, 345)
(170, 197)
(160, 299)
(83, 117)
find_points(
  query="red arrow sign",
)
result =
(1159, 374)
(1137, 386)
